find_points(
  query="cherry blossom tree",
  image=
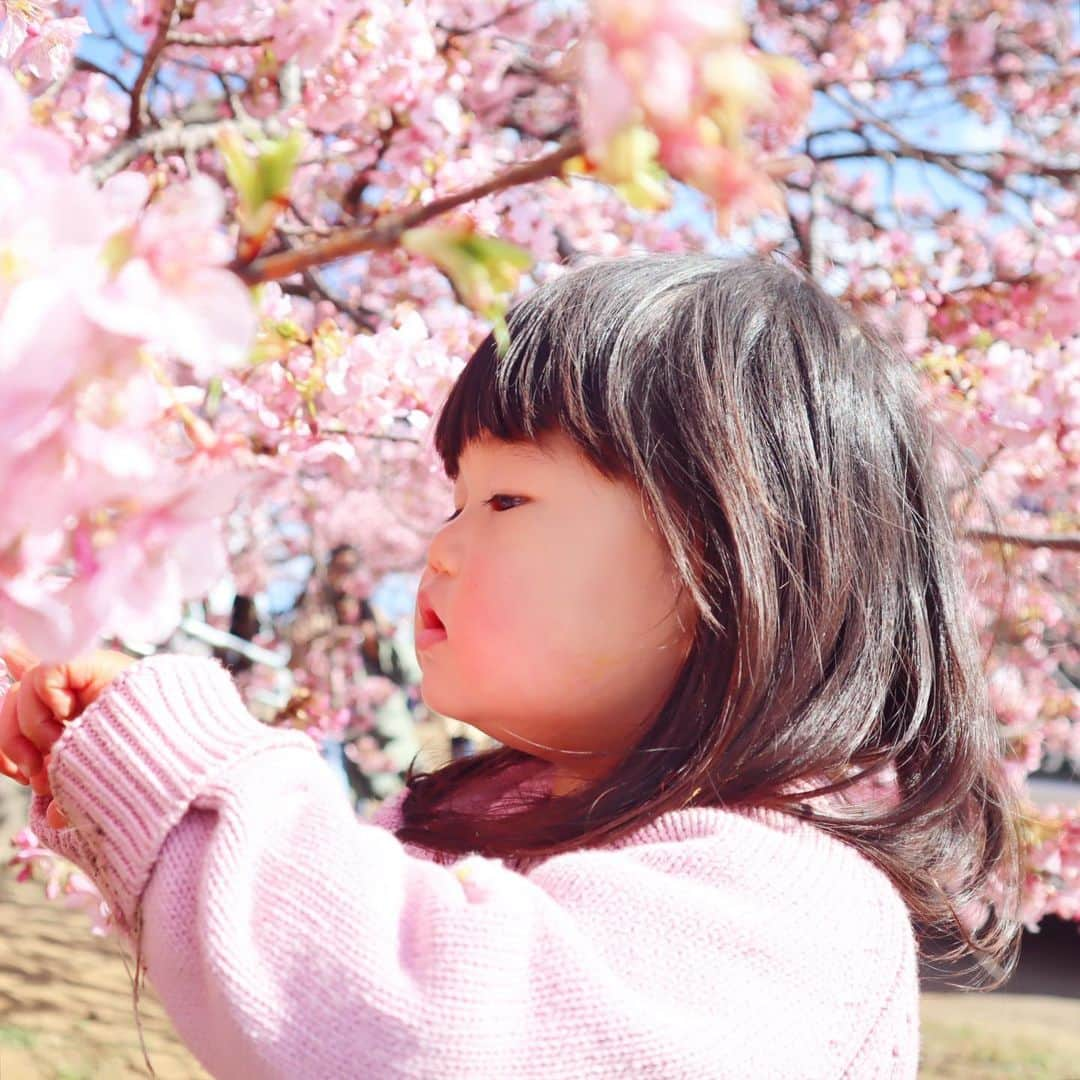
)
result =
(245, 248)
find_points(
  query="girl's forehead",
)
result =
(549, 447)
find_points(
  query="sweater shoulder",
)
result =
(774, 858)
(795, 918)
(771, 858)
(750, 916)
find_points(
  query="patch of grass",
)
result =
(966, 1038)
(16, 1036)
(975, 1056)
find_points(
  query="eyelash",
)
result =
(487, 502)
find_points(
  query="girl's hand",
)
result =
(35, 709)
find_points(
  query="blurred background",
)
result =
(254, 479)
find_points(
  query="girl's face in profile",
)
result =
(565, 623)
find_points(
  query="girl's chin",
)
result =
(441, 699)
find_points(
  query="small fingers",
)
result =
(9, 768)
(18, 659)
(39, 782)
(55, 818)
(14, 745)
(36, 720)
(53, 687)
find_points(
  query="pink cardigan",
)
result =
(288, 939)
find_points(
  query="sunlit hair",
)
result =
(784, 452)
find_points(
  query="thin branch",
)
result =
(208, 41)
(386, 233)
(957, 165)
(984, 468)
(82, 64)
(330, 429)
(799, 233)
(462, 31)
(303, 232)
(815, 253)
(917, 77)
(956, 162)
(311, 288)
(177, 139)
(567, 251)
(352, 201)
(944, 159)
(157, 46)
(360, 315)
(1058, 542)
(363, 317)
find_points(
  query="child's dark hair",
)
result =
(784, 452)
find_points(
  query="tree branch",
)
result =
(352, 200)
(386, 233)
(462, 31)
(956, 164)
(208, 41)
(361, 316)
(917, 77)
(82, 64)
(1058, 542)
(950, 161)
(799, 232)
(161, 39)
(178, 139)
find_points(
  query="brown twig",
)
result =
(510, 12)
(386, 233)
(1058, 542)
(146, 71)
(956, 164)
(917, 77)
(361, 316)
(208, 41)
(82, 64)
(354, 194)
(984, 468)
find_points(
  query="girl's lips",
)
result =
(430, 636)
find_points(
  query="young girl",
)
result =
(700, 583)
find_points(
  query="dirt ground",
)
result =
(65, 1000)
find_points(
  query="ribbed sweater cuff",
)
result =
(126, 771)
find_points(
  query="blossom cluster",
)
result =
(109, 510)
(147, 393)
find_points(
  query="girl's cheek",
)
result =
(497, 633)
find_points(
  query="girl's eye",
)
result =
(495, 502)
(495, 499)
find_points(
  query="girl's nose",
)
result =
(443, 556)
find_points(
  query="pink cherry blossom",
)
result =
(969, 48)
(154, 410)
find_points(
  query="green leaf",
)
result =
(277, 163)
(483, 270)
(261, 172)
(214, 390)
(629, 163)
(240, 168)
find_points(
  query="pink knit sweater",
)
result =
(287, 939)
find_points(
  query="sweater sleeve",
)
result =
(286, 938)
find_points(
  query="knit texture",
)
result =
(287, 939)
